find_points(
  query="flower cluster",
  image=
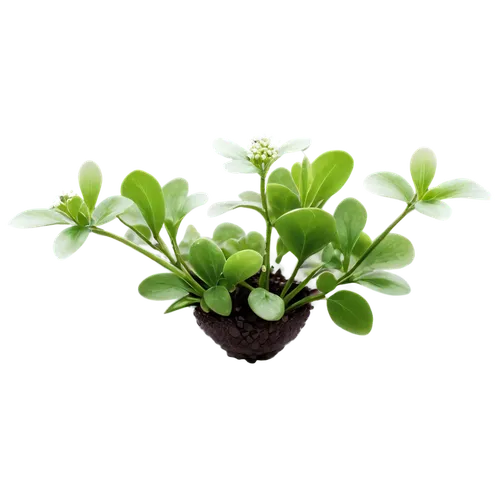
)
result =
(262, 153)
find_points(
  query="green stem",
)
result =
(306, 300)
(138, 233)
(376, 242)
(246, 285)
(302, 285)
(158, 260)
(164, 249)
(264, 277)
(290, 280)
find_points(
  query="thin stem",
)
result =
(138, 233)
(302, 285)
(376, 242)
(290, 280)
(306, 300)
(246, 285)
(164, 249)
(264, 277)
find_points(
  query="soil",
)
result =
(243, 335)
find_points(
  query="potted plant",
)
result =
(246, 307)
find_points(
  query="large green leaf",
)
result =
(457, 188)
(190, 236)
(306, 231)
(393, 252)
(423, 169)
(218, 300)
(39, 218)
(434, 208)
(281, 200)
(226, 206)
(350, 218)
(226, 231)
(330, 172)
(182, 303)
(390, 185)
(90, 180)
(145, 191)
(70, 240)
(207, 260)
(283, 177)
(351, 312)
(241, 266)
(164, 286)
(266, 305)
(110, 208)
(384, 282)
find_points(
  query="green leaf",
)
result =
(266, 305)
(175, 194)
(193, 201)
(457, 188)
(384, 282)
(133, 217)
(39, 218)
(110, 208)
(296, 171)
(305, 177)
(164, 286)
(182, 303)
(283, 177)
(390, 185)
(90, 180)
(423, 169)
(190, 236)
(134, 238)
(306, 231)
(204, 306)
(326, 282)
(393, 252)
(218, 300)
(74, 205)
(226, 206)
(145, 191)
(83, 216)
(253, 241)
(362, 245)
(226, 231)
(281, 250)
(230, 247)
(332, 257)
(70, 240)
(207, 260)
(350, 312)
(330, 172)
(434, 208)
(350, 218)
(251, 196)
(241, 167)
(241, 266)
(281, 200)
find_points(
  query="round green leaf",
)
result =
(110, 208)
(242, 265)
(350, 218)
(145, 191)
(218, 300)
(70, 240)
(384, 282)
(164, 286)
(362, 245)
(39, 218)
(190, 236)
(90, 180)
(390, 185)
(330, 172)
(326, 282)
(266, 305)
(283, 177)
(253, 241)
(226, 231)
(423, 168)
(207, 260)
(457, 188)
(306, 231)
(281, 200)
(350, 312)
(434, 208)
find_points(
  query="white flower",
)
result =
(260, 156)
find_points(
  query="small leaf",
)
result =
(204, 306)
(241, 266)
(207, 260)
(226, 231)
(193, 201)
(218, 300)
(164, 286)
(226, 206)
(134, 238)
(133, 217)
(305, 177)
(423, 169)
(283, 177)
(182, 303)
(384, 282)
(350, 312)
(332, 257)
(145, 191)
(281, 200)
(294, 146)
(110, 208)
(230, 247)
(306, 231)
(70, 240)
(175, 195)
(90, 180)
(251, 196)
(362, 245)
(297, 177)
(266, 305)
(253, 241)
(229, 149)
(281, 250)
(350, 218)
(390, 185)
(434, 208)
(74, 205)
(326, 282)
(330, 172)
(393, 252)
(241, 167)
(457, 188)
(190, 236)
(39, 218)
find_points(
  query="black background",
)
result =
(79, 317)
